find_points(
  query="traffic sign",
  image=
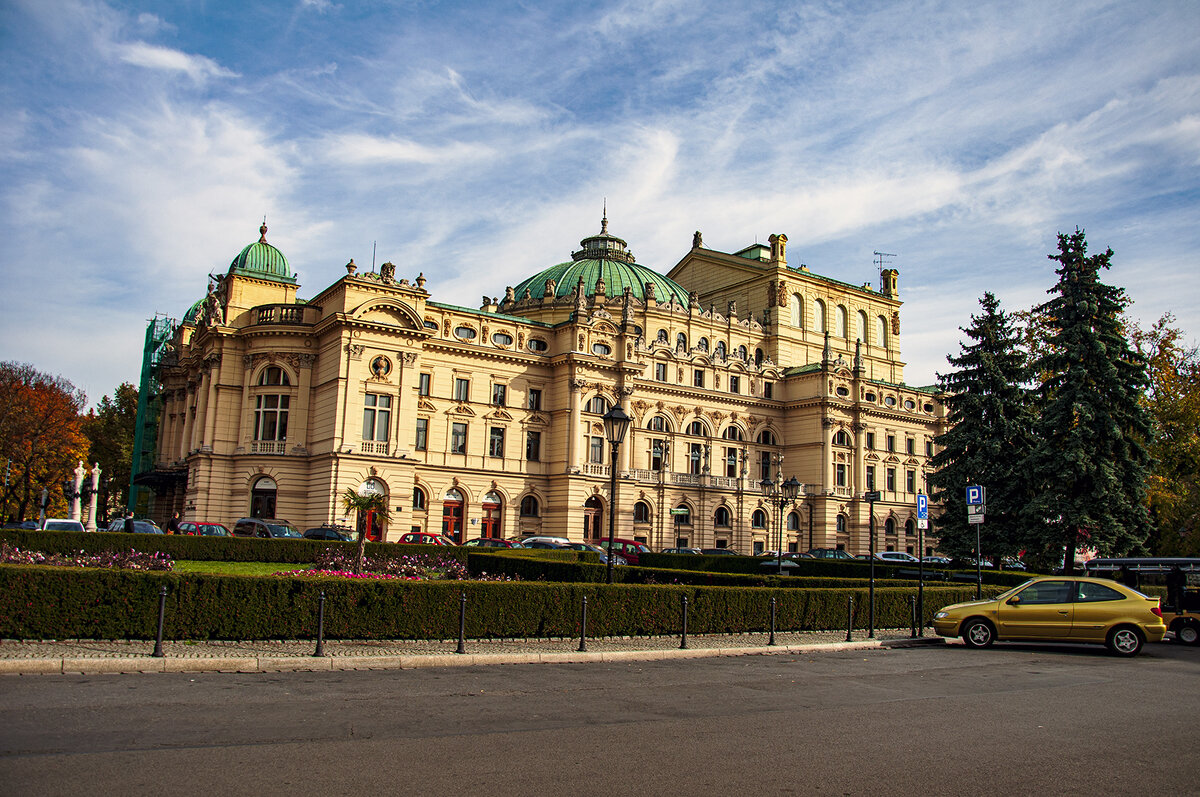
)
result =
(681, 511)
(922, 507)
(874, 495)
(975, 495)
(922, 523)
(974, 518)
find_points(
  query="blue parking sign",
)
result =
(975, 495)
(922, 507)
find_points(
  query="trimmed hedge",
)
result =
(38, 602)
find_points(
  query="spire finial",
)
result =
(262, 231)
(604, 219)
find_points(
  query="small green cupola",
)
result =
(263, 261)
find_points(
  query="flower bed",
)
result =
(124, 560)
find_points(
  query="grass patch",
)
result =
(237, 568)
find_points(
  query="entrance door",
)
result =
(491, 521)
(262, 498)
(592, 519)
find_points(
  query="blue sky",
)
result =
(141, 144)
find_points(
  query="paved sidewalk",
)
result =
(97, 656)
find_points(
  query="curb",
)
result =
(264, 664)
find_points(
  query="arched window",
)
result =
(842, 330)
(759, 519)
(697, 428)
(743, 353)
(797, 308)
(598, 405)
(793, 521)
(732, 433)
(862, 326)
(273, 375)
(766, 438)
(841, 438)
(662, 336)
(881, 332)
(529, 506)
(841, 524)
(684, 517)
(641, 512)
(702, 344)
(722, 518)
(418, 499)
(889, 527)
(658, 424)
(720, 350)
(758, 356)
(681, 342)
(819, 315)
(909, 530)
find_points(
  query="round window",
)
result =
(890, 401)
(464, 333)
(928, 408)
(909, 404)
(502, 339)
(843, 391)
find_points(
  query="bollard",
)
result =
(583, 627)
(771, 641)
(162, 610)
(850, 618)
(683, 642)
(462, 624)
(912, 614)
(320, 651)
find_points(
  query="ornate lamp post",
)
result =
(616, 424)
(780, 493)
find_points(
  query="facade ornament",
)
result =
(351, 267)
(408, 357)
(355, 350)
(731, 309)
(895, 322)
(578, 384)
(827, 354)
(625, 391)
(697, 240)
(858, 360)
(387, 272)
(649, 288)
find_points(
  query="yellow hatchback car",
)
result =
(1059, 609)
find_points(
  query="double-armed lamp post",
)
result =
(780, 493)
(616, 424)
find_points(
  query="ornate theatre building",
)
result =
(735, 367)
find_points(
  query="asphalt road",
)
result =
(1013, 720)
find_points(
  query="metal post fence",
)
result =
(912, 614)
(320, 651)
(850, 618)
(162, 610)
(462, 624)
(683, 641)
(583, 627)
(771, 641)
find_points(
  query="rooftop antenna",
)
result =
(372, 257)
(879, 259)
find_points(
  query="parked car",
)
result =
(331, 534)
(1012, 563)
(493, 542)
(719, 552)
(265, 528)
(829, 553)
(898, 556)
(936, 561)
(62, 524)
(689, 551)
(425, 538)
(1059, 609)
(630, 550)
(201, 529)
(28, 525)
(618, 560)
(544, 544)
(528, 541)
(139, 526)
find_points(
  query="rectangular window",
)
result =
(423, 385)
(839, 475)
(870, 441)
(768, 389)
(533, 446)
(458, 438)
(377, 415)
(657, 454)
(496, 442)
(891, 442)
(891, 479)
(660, 372)
(910, 481)
(596, 450)
(698, 377)
(764, 465)
(499, 395)
(462, 389)
(535, 399)
(910, 446)
(422, 434)
(695, 458)
(929, 448)
(731, 463)
(735, 384)
(271, 417)
(870, 477)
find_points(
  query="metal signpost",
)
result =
(976, 508)
(922, 524)
(871, 498)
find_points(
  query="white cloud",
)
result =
(360, 149)
(150, 56)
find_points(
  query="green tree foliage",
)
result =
(991, 412)
(356, 503)
(1173, 401)
(1089, 468)
(40, 437)
(110, 430)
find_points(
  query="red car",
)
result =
(629, 549)
(203, 529)
(425, 538)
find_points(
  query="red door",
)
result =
(491, 521)
(592, 519)
(452, 520)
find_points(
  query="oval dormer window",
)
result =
(601, 349)
(843, 391)
(928, 408)
(537, 344)
(502, 339)
(909, 404)
(890, 401)
(430, 324)
(464, 333)
(869, 397)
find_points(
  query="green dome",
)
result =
(604, 257)
(262, 260)
(193, 313)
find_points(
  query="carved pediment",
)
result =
(426, 405)
(461, 409)
(498, 415)
(536, 419)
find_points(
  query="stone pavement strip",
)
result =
(131, 656)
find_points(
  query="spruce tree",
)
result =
(990, 411)
(1090, 463)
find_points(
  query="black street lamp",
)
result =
(616, 424)
(781, 494)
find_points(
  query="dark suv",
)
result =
(332, 533)
(829, 553)
(266, 528)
